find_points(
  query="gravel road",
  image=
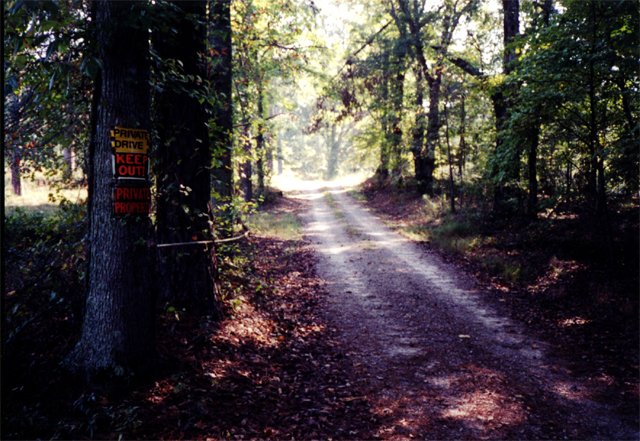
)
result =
(438, 361)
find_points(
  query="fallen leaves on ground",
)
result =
(271, 369)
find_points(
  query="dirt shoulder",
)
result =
(547, 277)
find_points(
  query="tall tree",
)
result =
(183, 160)
(533, 127)
(260, 136)
(506, 160)
(118, 327)
(222, 121)
(413, 16)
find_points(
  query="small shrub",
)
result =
(454, 228)
(510, 271)
(434, 207)
(45, 267)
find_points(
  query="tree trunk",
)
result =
(269, 158)
(500, 110)
(534, 134)
(532, 163)
(397, 99)
(260, 146)
(596, 183)
(334, 149)
(222, 146)
(511, 28)
(452, 192)
(67, 156)
(502, 106)
(413, 15)
(382, 173)
(463, 143)
(547, 10)
(279, 156)
(246, 168)
(184, 156)
(14, 166)
(118, 328)
(12, 140)
(433, 127)
(417, 143)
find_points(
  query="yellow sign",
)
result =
(125, 140)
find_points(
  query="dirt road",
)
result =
(438, 360)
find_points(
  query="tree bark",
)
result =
(68, 158)
(13, 141)
(397, 99)
(507, 167)
(279, 156)
(511, 28)
(463, 142)
(532, 163)
(183, 166)
(118, 328)
(222, 146)
(452, 192)
(417, 143)
(260, 144)
(596, 179)
(433, 128)
(382, 173)
(16, 181)
(334, 148)
(246, 168)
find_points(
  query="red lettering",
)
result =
(119, 208)
(131, 165)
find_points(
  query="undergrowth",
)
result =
(45, 263)
(282, 225)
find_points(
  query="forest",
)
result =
(321, 219)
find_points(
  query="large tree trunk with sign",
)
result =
(222, 125)
(118, 329)
(184, 164)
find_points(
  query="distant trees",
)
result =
(264, 47)
(48, 68)
(547, 118)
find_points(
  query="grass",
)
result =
(339, 214)
(507, 269)
(357, 195)
(460, 234)
(334, 205)
(283, 225)
(39, 196)
(451, 234)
